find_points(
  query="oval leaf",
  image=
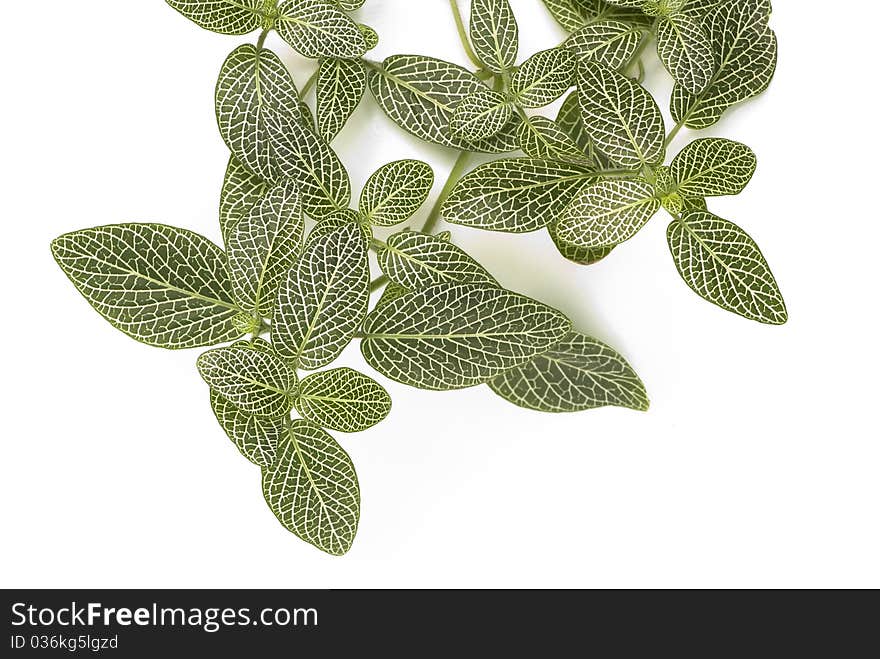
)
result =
(395, 192)
(241, 191)
(713, 167)
(223, 16)
(317, 28)
(494, 34)
(723, 265)
(255, 437)
(323, 300)
(340, 87)
(542, 138)
(686, 52)
(544, 77)
(163, 286)
(313, 489)
(343, 399)
(611, 43)
(576, 254)
(452, 336)
(480, 116)
(255, 382)
(577, 374)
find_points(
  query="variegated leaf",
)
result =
(313, 489)
(419, 260)
(318, 28)
(541, 138)
(544, 77)
(323, 300)
(263, 246)
(161, 285)
(254, 381)
(223, 16)
(395, 192)
(517, 195)
(340, 87)
(621, 117)
(256, 437)
(578, 373)
(713, 167)
(481, 115)
(494, 34)
(573, 15)
(611, 43)
(452, 336)
(575, 253)
(607, 213)
(342, 399)
(723, 265)
(241, 190)
(686, 52)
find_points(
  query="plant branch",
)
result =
(309, 84)
(457, 170)
(262, 39)
(463, 35)
(378, 283)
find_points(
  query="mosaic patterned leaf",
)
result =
(494, 34)
(340, 87)
(342, 399)
(317, 28)
(686, 52)
(223, 16)
(713, 167)
(544, 77)
(611, 43)
(395, 192)
(161, 285)
(255, 382)
(452, 336)
(480, 115)
(241, 191)
(541, 138)
(254, 436)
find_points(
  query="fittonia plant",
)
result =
(296, 267)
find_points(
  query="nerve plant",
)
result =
(593, 177)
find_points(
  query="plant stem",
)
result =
(309, 84)
(462, 34)
(378, 283)
(675, 131)
(457, 170)
(262, 39)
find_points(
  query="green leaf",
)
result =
(370, 36)
(350, 5)
(317, 28)
(419, 260)
(395, 192)
(569, 120)
(494, 34)
(608, 213)
(323, 183)
(340, 88)
(544, 77)
(163, 286)
(343, 399)
(253, 84)
(611, 43)
(516, 195)
(746, 52)
(263, 246)
(420, 94)
(541, 138)
(621, 117)
(577, 374)
(312, 488)
(452, 336)
(685, 51)
(572, 15)
(480, 115)
(223, 16)
(713, 167)
(255, 437)
(336, 221)
(699, 9)
(255, 382)
(324, 299)
(575, 253)
(241, 191)
(723, 265)
(392, 292)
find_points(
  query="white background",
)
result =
(757, 465)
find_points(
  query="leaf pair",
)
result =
(314, 28)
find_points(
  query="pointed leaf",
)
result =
(452, 336)
(324, 299)
(494, 34)
(419, 260)
(395, 192)
(608, 213)
(252, 84)
(621, 117)
(255, 437)
(686, 52)
(223, 16)
(723, 265)
(308, 160)
(312, 488)
(577, 374)
(255, 382)
(611, 43)
(163, 286)
(317, 28)
(713, 167)
(420, 94)
(544, 77)
(263, 246)
(517, 195)
(577, 254)
(480, 116)
(343, 399)
(541, 138)
(241, 191)
(340, 88)
(745, 51)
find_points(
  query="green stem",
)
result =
(462, 34)
(262, 39)
(378, 283)
(674, 132)
(309, 84)
(457, 170)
